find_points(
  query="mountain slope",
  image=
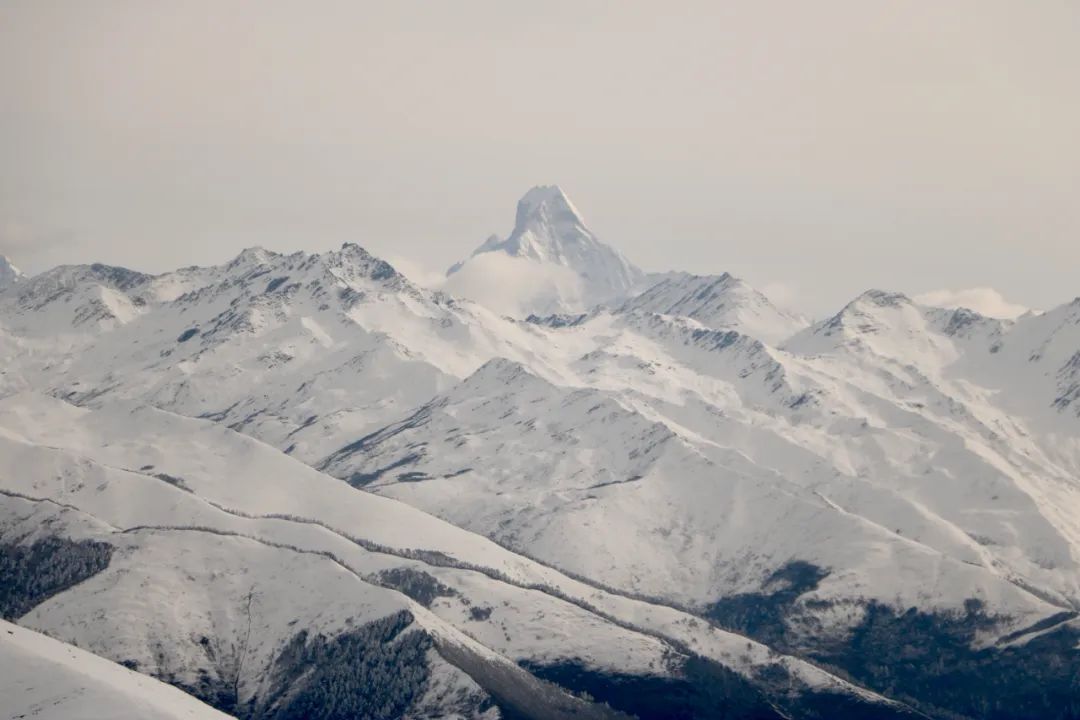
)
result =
(580, 479)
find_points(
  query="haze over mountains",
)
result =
(607, 493)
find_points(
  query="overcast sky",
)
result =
(815, 148)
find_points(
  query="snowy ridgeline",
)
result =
(683, 473)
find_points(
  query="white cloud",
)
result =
(515, 286)
(986, 301)
(416, 272)
(782, 295)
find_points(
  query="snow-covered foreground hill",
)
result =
(47, 679)
(605, 498)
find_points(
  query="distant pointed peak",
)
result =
(546, 202)
(546, 215)
(550, 234)
(9, 274)
(548, 227)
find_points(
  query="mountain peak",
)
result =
(252, 256)
(882, 298)
(548, 227)
(353, 261)
(856, 312)
(873, 314)
(718, 302)
(9, 274)
(546, 205)
(557, 261)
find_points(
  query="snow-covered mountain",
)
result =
(9, 274)
(550, 263)
(337, 343)
(685, 440)
(671, 475)
(719, 302)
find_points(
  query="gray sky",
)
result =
(816, 149)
